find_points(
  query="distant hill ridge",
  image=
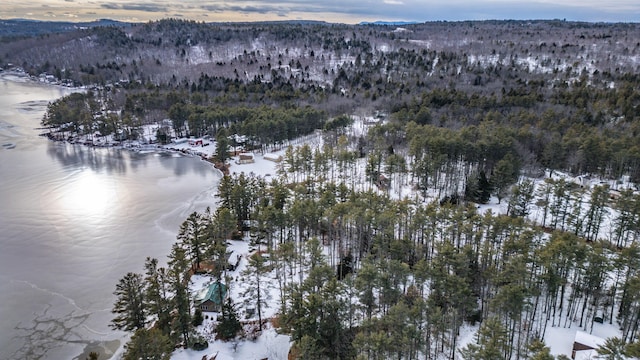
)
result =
(382, 22)
(28, 27)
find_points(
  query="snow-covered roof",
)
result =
(272, 157)
(589, 340)
(239, 138)
(212, 292)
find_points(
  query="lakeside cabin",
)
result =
(195, 142)
(273, 157)
(211, 298)
(245, 158)
(585, 345)
(198, 142)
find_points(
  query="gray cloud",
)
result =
(426, 10)
(251, 9)
(286, 7)
(146, 7)
(212, 8)
(263, 9)
(348, 10)
(110, 6)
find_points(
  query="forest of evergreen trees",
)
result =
(376, 241)
(363, 275)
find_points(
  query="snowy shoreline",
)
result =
(559, 338)
(270, 344)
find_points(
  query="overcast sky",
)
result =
(347, 11)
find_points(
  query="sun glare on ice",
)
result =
(89, 195)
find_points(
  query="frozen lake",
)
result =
(73, 221)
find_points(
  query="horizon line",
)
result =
(363, 22)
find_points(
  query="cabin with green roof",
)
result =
(211, 297)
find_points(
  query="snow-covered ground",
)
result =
(271, 345)
(268, 345)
